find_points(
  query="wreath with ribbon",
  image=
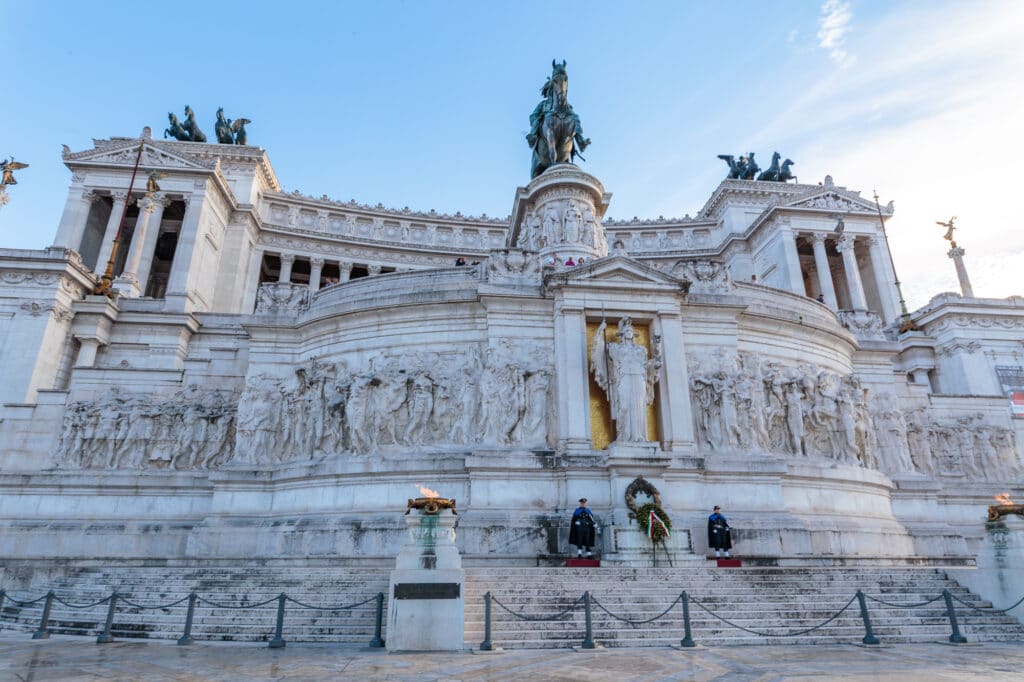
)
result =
(652, 519)
(654, 522)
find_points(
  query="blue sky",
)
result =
(424, 104)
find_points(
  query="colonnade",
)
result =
(852, 292)
(140, 251)
(316, 269)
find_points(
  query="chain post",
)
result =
(378, 642)
(687, 634)
(3, 595)
(869, 636)
(43, 632)
(588, 638)
(955, 637)
(106, 637)
(486, 644)
(186, 637)
(278, 641)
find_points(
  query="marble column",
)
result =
(74, 218)
(147, 246)
(957, 254)
(794, 274)
(178, 296)
(845, 246)
(286, 267)
(116, 211)
(828, 289)
(885, 286)
(344, 271)
(573, 387)
(674, 387)
(127, 282)
(316, 267)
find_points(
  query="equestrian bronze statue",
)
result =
(556, 135)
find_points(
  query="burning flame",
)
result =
(427, 492)
(1004, 498)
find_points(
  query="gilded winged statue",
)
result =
(7, 167)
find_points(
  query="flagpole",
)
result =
(103, 288)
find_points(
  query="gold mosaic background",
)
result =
(602, 428)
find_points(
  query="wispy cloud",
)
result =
(833, 26)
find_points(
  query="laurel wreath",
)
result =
(643, 517)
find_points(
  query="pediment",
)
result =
(617, 270)
(832, 199)
(124, 154)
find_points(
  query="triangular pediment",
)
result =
(615, 270)
(125, 153)
(832, 199)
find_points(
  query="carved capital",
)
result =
(956, 252)
(288, 258)
(373, 269)
(317, 263)
(345, 268)
(146, 205)
(845, 243)
(118, 196)
(817, 237)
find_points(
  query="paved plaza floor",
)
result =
(78, 659)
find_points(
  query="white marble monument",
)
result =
(278, 373)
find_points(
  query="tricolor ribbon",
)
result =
(650, 526)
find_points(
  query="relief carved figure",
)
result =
(744, 403)
(191, 429)
(967, 446)
(432, 400)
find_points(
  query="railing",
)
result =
(685, 599)
(106, 635)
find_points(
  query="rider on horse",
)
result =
(569, 141)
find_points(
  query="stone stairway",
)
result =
(776, 600)
(771, 600)
(316, 585)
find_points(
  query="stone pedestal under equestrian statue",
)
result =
(426, 593)
(559, 214)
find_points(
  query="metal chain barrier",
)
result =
(636, 622)
(331, 608)
(231, 606)
(538, 618)
(81, 606)
(106, 635)
(769, 634)
(154, 608)
(904, 606)
(24, 603)
(989, 610)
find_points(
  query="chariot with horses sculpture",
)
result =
(745, 168)
(556, 135)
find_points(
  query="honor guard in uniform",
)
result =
(582, 529)
(719, 533)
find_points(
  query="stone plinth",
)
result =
(559, 214)
(999, 576)
(426, 593)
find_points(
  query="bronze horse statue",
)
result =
(176, 130)
(556, 135)
(772, 174)
(785, 173)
